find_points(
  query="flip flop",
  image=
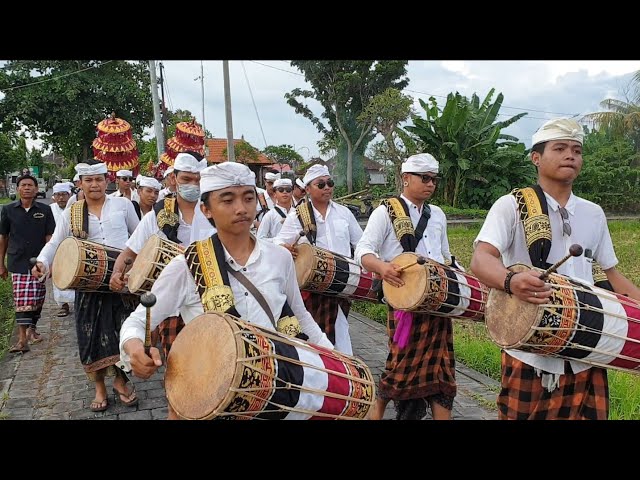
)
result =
(18, 347)
(31, 337)
(101, 406)
(131, 403)
(63, 312)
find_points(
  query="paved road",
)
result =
(48, 382)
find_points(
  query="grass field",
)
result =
(474, 348)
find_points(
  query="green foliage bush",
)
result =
(7, 315)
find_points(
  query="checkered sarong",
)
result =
(166, 333)
(28, 292)
(426, 366)
(581, 396)
(324, 310)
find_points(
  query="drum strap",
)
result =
(403, 226)
(168, 217)
(80, 219)
(308, 221)
(280, 212)
(136, 207)
(264, 205)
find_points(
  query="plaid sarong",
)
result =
(324, 310)
(582, 396)
(28, 295)
(426, 366)
(166, 333)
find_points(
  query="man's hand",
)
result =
(390, 273)
(115, 283)
(293, 249)
(142, 365)
(38, 270)
(529, 288)
(3, 272)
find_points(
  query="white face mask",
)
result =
(191, 193)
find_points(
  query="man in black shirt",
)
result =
(25, 227)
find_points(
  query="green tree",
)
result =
(463, 137)
(244, 152)
(386, 111)
(61, 102)
(344, 89)
(12, 156)
(283, 154)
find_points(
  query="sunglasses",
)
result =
(566, 228)
(126, 179)
(426, 178)
(328, 183)
(283, 189)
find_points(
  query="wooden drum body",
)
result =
(321, 271)
(154, 256)
(83, 265)
(581, 322)
(436, 289)
(221, 367)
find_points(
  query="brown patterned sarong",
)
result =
(581, 396)
(324, 310)
(166, 333)
(426, 366)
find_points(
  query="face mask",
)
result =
(191, 193)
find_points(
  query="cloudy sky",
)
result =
(543, 89)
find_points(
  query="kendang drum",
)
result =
(436, 289)
(321, 271)
(83, 265)
(154, 256)
(221, 367)
(580, 322)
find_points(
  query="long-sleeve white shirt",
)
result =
(503, 229)
(117, 221)
(337, 231)
(379, 237)
(57, 211)
(118, 194)
(149, 226)
(271, 223)
(269, 267)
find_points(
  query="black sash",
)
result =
(280, 212)
(403, 226)
(80, 219)
(168, 217)
(136, 207)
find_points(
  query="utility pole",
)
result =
(157, 122)
(231, 154)
(164, 107)
(202, 87)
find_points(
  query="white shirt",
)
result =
(379, 237)
(337, 232)
(149, 226)
(502, 229)
(269, 267)
(72, 199)
(271, 223)
(163, 193)
(57, 211)
(267, 198)
(117, 221)
(134, 195)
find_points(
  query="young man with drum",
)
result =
(420, 369)
(148, 189)
(108, 221)
(205, 278)
(538, 386)
(333, 227)
(272, 222)
(172, 219)
(61, 194)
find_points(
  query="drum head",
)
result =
(304, 263)
(201, 367)
(142, 265)
(66, 262)
(410, 295)
(510, 320)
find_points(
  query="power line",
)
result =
(56, 78)
(254, 104)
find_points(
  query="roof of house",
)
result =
(217, 145)
(372, 165)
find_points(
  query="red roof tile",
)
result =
(218, 145)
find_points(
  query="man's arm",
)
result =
(45, 258)
(132, 218)
(622, 284)
(355, 230)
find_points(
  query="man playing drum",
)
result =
(99, 315)
(172, 219)
(61, 194)
(330, 226)
(538, 386)
(205, 277)
(420, 369)
(148, 189)
(271, 223)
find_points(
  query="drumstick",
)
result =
(419, 261)
(575, 250)
(148, 300)
(127, 262)
(300, 235)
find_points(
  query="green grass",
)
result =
(7, 315)
(4, 200)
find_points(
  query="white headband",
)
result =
(420, 163)
(86, 169)
(186, 162)
(76, 177)
(282, 182)
(167, 172)
(226, 174)
(300, 183)
(62, 187)
(124, 173)
(271, 177)
(558, 129)
(314, 172)
(149, 182)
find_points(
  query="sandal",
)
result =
(33, 336)
(19, 347)
(132, 402)
(99, 406)
(64, 310)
